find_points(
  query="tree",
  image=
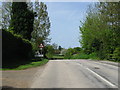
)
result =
(50, 51)
(59, 48)
(63, 51)
(41, 24)
(22, 19)
(30, 6)
(55, 46)
(6, 14)
(69, 53)
(101, 28)
(77, 50)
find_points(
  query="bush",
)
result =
(80, 56)
(49, 55)
(116, 54)
(93, 56)
(84, 56)
(49, 52)
(69, 53)
(14, 47)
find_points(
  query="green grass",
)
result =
(34, 63)
(80, 56)
(117, 61)
(58, 57)
(85, 56)
(91, 56)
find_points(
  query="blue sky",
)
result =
(65, 20)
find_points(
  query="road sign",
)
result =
(39, 55)
(41, 45)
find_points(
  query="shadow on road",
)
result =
(7, 87)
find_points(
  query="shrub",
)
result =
(93, 56)
(49, 52)
(116, 54)
(80, 56)
(69, 53)
(14, 47)
(84, 56)
(49, 55)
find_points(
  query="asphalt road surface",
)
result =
(76, 74)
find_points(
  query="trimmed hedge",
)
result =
(14, 47)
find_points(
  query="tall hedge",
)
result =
(22, 19)
(14, 47)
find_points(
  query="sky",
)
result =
(65, 20)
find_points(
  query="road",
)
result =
(76, 74)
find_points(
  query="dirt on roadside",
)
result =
(19, 78)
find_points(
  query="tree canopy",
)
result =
(22, 19)
(41, 24)
(101, 30)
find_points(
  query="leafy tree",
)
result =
(6, 14)
(30, 6)
(59, 48)
(22, 19)
(63, 51)
(77, 50)
(69, 53)
(55, 46)
(50, 51)
(100, 29)
(41, 24)
(116, 54)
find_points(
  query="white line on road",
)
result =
(116, 66)
(102, 78)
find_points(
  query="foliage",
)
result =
(49, 55)
(41, 24)
(50, 51)
(22, 19)
(29, 65)
(93, 56)
(84, 56)
(63, 51)
(14, 47)
(78, 53)
(58, 57)
(80, 56)
(69, 53)
(6, 14)
(100, 30)
(59, 48)
(116, 54)
(17, 21)
(77, 50)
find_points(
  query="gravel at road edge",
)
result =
(20, 78)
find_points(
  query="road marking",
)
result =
(102, 63)
(102, 78)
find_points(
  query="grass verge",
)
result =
(58, 57)
(34, 63)
(84, 56)
(91, 56)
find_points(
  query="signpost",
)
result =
(41, 49)
(41, 45)
(40, 52)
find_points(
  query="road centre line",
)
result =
(102, 78)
